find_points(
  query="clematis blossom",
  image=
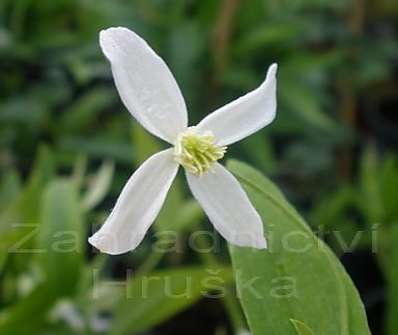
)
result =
(151, 94)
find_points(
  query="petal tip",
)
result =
(106, 33)
(249, 240)
(113, 30)
(103, 243)
(112, 40)
(272, 70)
(261, 243)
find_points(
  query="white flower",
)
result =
(151, 94)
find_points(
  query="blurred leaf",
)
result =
(189, 214)
(85, 110)
(332, 214)
(301, 328)
(391, 270)
(97, 147)
(21, 217)
(389, 187)
(10, 187)
(301, 101)
(18, 319)
(240, 78)
(61, 235)
(14, 110)
(371, 198)
(79, 170)
(98, 186)
(295, 275)
(311, 66)
(3, 258)
(260, 151)
(145, 144)
(153, 298)
(190, 38)
(167, 215)
(42, 173)
(265, 36)
(333, 207)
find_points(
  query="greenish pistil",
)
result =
(197, 152)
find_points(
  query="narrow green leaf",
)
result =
(189, 213)
(79, 170)
(265, 35)
(10, 187)
(98, 146)
(21, 217)
(389, 187)
(371, 200)
(331, 209)
(390, 261)
(60, 239)
(297, 277)
(167, 215)
(300, 100)
(153, 298)
(42, 173)
(3, 258)
(259, 150)
(18, 319)
(145, 145)
(86, 109)
(301, 328)
(98, 186)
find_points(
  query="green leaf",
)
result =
(389, 258)
(98, 186)
(167, 215)
(20, 218)
(145, 145)
(10, 187)
(371, 200)
(18, 319)
(60, 239)
(99, 147)
(85, 110)
(3, 258)
(331, 209)
(297, 277)
(189, 213)
(42, 173)
(301, 101)
(301, 328)
(264, 36)
(259, 150)
(389, 187)
(153, 298)
(79, 170)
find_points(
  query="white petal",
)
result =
(145, 83)
(228, 207)
(138, 205)
(246, 115)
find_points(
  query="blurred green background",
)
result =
(67, 146)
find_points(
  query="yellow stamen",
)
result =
(197, 152)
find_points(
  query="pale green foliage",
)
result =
(297, 277)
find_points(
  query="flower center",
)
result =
(197, 152)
